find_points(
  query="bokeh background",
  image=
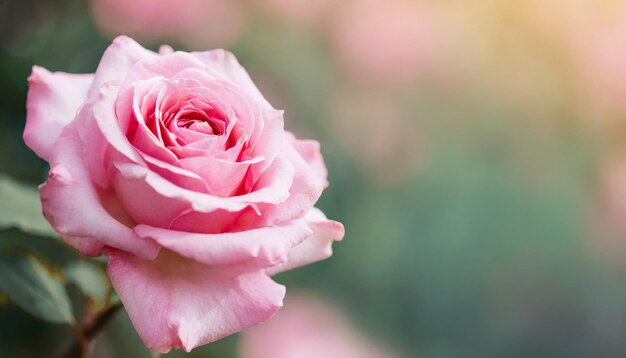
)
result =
(476, 151)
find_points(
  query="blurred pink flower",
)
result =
(392, 41)
(307, 327)
(610, 213)
(592, 35)
(301, 14)
(600, 54)
(393, 150)
(197, 24)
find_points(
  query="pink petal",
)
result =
(167, 65)
(213, 171)
(273, 184)
(112, 129)
(150, 189)
(223, 63)
(310, 152)
(52, 102)
(151, 199)
(304, 192)
(317, 247)
(267, 140)
(117, 61)
(175, 302)
(262, 247)
(177, 175)
(134, 106)
(74, 208)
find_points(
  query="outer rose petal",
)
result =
(304, 191)
(262, 247)
(222, 63)
(175, 302)
(310, 152)
(116, 62)
(72, 206)
(317, 247)
(52, 102)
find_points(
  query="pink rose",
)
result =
(175, 167)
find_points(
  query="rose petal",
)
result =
(267, 140)
(151, 199)
(213, 171)
(306, 188)
(223, 63)
(117, 60)
(179, 176)
(167, 65)
(317, 247)
(52, 102)
(73, 207)
(274, 183)
(262, 247)
(135, 108)
(310, 152)
(174, 302)
(105, 115)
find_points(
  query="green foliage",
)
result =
(50, 249)
(87, 275)
(20, 208)
(25, 336)
(32, 287)
(89, 278)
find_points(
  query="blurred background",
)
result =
(476, 151)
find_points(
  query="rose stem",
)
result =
(85, 335)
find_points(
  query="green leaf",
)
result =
(24, 335)
(90, 279)
(87, 275)
(20, 208)
(33, 288)
(52, 250)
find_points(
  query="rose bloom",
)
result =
(308, 327)
(193, 23)
(175, 167)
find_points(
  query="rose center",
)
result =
(206, 121)
(203, 125)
